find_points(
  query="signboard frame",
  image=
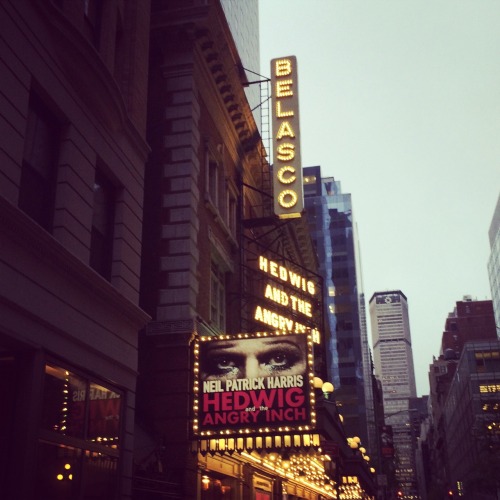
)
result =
(287, 166)
(228, 403)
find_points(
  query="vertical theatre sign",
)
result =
(252, 383)
(287, 168)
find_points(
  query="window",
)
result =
(76, 407)
(38, 176)
(217, 298)
(232, 214)
(231, 209)
(213, 179)
(101, 243)
(214, 191)
(440, 369)
(119, 60)
(215, 486)
(221, 194)
(66, 473)
(487, 361)
(79, 437)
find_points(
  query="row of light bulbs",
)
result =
(355, 444)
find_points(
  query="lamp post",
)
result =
(333, 465)
(327, 389)
(360, 462)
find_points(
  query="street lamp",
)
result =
(317, 382)
(354, 442)
(327, 389)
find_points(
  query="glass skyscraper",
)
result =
(330, 218)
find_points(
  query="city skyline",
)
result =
(399, 102)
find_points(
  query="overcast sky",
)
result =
(400, 101)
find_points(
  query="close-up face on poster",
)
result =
(253, 383)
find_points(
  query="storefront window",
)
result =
(58, 472)
(65, 471)
(76, 407)
(79, 436)
(63, 402)
(104, 415)
(262, 495)
(100, 472)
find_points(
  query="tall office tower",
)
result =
(243, 19)
(393, 359)
(330, 217)
(494, 263)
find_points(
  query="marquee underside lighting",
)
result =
(294, 443)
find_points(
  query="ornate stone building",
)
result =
(208, 218)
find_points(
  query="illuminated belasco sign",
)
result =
(253, 383)
(287, 168)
